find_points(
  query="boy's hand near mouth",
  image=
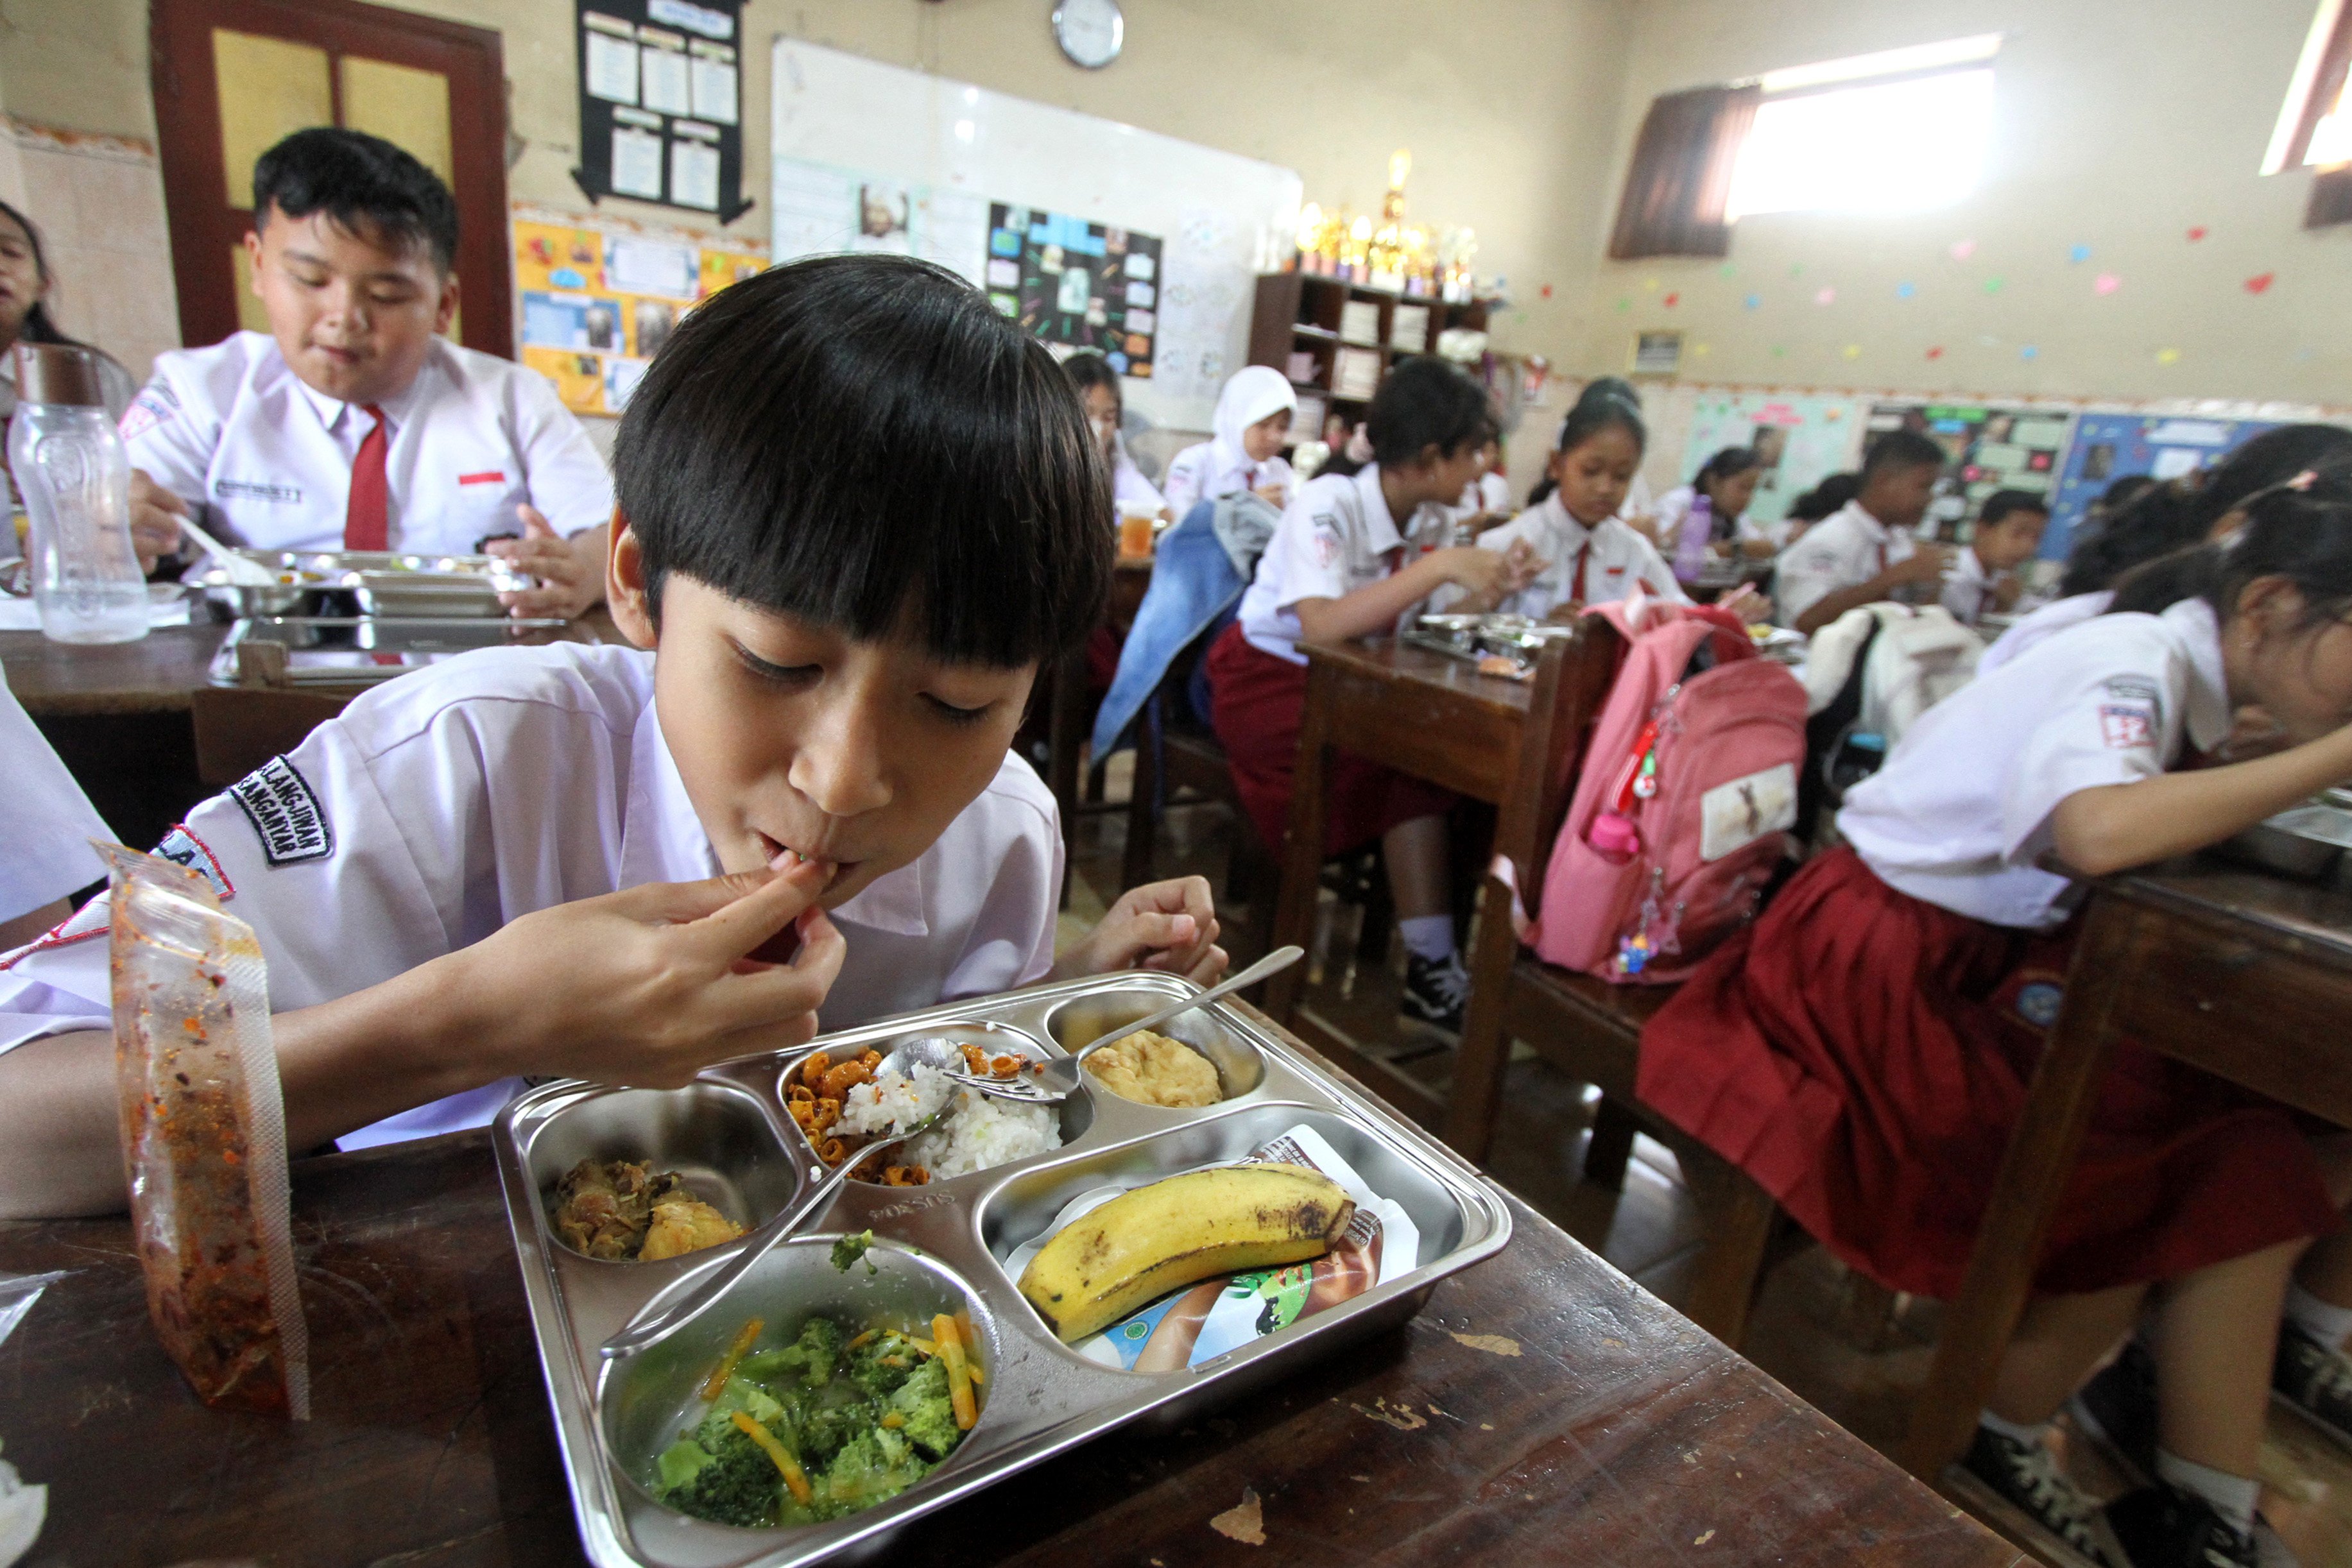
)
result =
(1166, 925)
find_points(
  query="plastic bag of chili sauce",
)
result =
(203, 1138)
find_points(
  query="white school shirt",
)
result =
(441, 806)
(1968, 587)
(2051, 618)
(44, 853)
(1335, 536)
(1963, 807)
(232, 430)
(1128, 484)
(1847, 549)
(1194, 475)
(1619, 559)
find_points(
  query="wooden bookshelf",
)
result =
(1302, 313)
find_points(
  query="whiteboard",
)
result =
(848, 130)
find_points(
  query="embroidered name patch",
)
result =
(286, 816)
(2126, 725)
(252, 490)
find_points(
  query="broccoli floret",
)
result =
(882, 1362)
(813, 1354)
(929, 1416)
(824, 1431)
(877, 1463)
(735, 1483)
(848, 1249)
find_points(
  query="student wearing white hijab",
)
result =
(1252, 422)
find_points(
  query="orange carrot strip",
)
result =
(951, 1343)
(795, 1479)
(735, 1352)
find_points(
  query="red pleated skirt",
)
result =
(1863, 1056)
(1256, 703)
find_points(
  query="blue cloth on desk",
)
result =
(1195, 584)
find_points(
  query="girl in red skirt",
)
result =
(1863, 1052)
(1352, 555)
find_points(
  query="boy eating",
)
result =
(858, 509)
(1865, 553)
(352, 424)
(1984, 572)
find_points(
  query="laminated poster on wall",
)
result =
(2112, 447)
(1802, 438)
(598, 299)
(1987, 448)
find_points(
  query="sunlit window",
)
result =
(1878, 145)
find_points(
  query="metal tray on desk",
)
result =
(363, 650)
(938, 1249)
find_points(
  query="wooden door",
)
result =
(233, 76)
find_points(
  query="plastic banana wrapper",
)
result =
(1202, 1322)
(203, 1137)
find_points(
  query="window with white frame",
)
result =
(1902, 129)
(2315, 124)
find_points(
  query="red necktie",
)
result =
(1583, 555)
(1882, 557)
(365, 527)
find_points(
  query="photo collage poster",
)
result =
(1078, 286)
(599, 302)
(2112, 447)
(1800, 437)
(1987, 448)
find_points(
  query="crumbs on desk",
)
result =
(1244, 1521)
(1492, 1344)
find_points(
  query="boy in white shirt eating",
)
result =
(1984, 572)
(858, 510)
(1866, 553)
(352, 424)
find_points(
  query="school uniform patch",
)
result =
(92, 919)
(151, 407)
(182, 847)
(2127, 725)
(286, 816)
(1327, 544)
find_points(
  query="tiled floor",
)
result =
(1860, 1368)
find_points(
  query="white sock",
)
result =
(2232, 1497)
(2325, 1322)
(1428, 936)
(2032, 1436)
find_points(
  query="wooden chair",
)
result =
(238, 728)
(1586, 1028)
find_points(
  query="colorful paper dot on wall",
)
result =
(1672, 300)
(2028, 351)
(1624, 306)
(1936, 353)
(1963, 250)
(2261, 281)
(1779, 350)
(1854, 351)
(1546, 291)
(2105, 283)
(1754, 301)
(2079, 255)
(1906, 290)
(2305, 354)
(1826, 297)
(1702, 350)
(2167, 356)
(1728, 270)
(1650, 285)
(1995, 284)
(2197, 234)
(1796, 269)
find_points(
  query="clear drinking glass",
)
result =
(74, 474)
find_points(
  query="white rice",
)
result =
(977, 1133)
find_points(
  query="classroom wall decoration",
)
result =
(660, 103)
(1077, 285)
(598, 298)
(2112, 447)
(1802, 438)
(1990, 447)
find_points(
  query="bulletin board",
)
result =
(1802, 438)
(1080, 285)
(661, 115)
(1987, 447)
(2112, 447)
(845, 126)
(597, 299)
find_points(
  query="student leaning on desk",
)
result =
(352, 424)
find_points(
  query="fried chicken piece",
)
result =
(682, 1223)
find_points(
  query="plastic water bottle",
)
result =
(1690, 545)
(70, 466)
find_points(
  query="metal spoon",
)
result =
(1056, 1081)
(243, 571)
(649, 1332)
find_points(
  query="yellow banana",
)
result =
(1143, 1244)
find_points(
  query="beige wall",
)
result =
(2121, 124)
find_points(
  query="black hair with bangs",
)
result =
(863, 442)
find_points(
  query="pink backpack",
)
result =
(1683, 808)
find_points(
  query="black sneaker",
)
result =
(1435, 990)
(2164, 1527)
(2313, 1382)
(2117, 1410)
(2022, 1484)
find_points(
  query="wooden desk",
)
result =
(153, 674)
(1595, 1426)
(1408, 708)
(2245, 975)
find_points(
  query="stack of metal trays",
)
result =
(1518, 638)
(940, 1248)
(361, 650)
(342, 583)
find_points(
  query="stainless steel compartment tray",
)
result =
(936, 1243)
